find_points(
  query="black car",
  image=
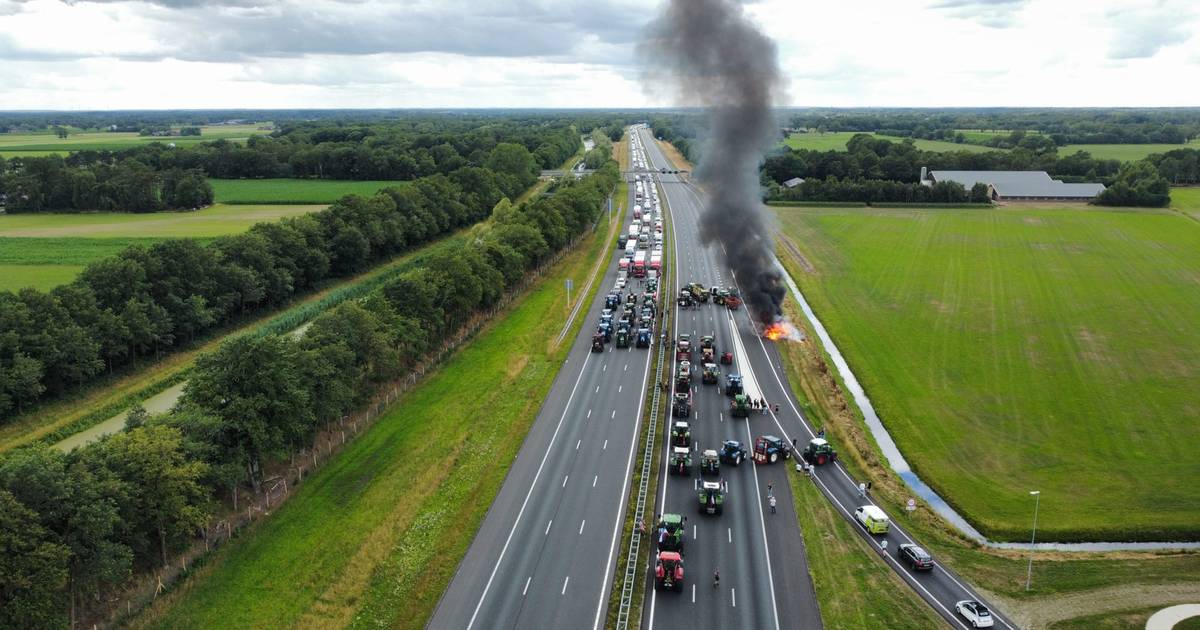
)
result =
(732, 452)
(915, 557)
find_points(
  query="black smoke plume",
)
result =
(717, 59)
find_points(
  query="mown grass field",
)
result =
(1125, 152)
(44, 263)
(836, 141)
(215, 220)
(45, 142)
(1013, 350)
(292, 191)
(1186, 200)
(373, 538)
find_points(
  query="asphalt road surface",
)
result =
(764, 573)
(545, 554)
(762, 366)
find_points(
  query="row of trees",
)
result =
(72, 526)
(49, 184)
(146, 300)
(1137, 184)
(878, 191)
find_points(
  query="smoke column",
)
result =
(716, 58)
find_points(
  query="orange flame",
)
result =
(776, 331)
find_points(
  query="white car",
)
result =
(620, 283)
(975, 612)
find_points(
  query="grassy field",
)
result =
(214, 220)
(292, 191)
(44, 263)
(45, 142)
(1125, 152)
(44, 277)
(1016, 350)
(836, 141)
(1186, 200)
(373, 538)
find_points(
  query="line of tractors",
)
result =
(627, 319)
(669, 533)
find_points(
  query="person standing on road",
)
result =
(862, 490)
(771, 502)
(770, 489)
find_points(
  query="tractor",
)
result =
(643, 338)
(733, 302)
(712, 497)
(613, 300)
(699, 293)
(681, 461)
(710, 463)
(727, 358)
(668, 571)
(681, 434)
(819, 452)
(707, 356)
(597, 342)
(711, 374)
(707, 341)
(623, 336)
(720, 296)
(669, 532)
(681, 406)
(733, 452)
(739, 407)
(683, 381)
(769, 449)
(685, 298)
(733, 385)
(605, 329)
(684, 343)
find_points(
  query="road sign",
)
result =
(911, 505)
(570, 284)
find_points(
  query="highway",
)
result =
(762, 366)
(545, 553)
(764, 574)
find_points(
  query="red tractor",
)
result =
(668, 571)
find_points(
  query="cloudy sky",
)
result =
(119, 54)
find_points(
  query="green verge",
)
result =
(374, 537)
(1114, 581)
(1053, 349)
(1133, 619)
(294, 191)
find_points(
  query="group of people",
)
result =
(762, 406)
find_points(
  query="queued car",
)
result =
(915, 557)
(975, 613)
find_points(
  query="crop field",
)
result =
(214, 220)
(44, 143)
(375, 536)
(836, 141)
(292, 191)
(1125, 152)
(1014, 350)
(1186, 200)
(44, 263)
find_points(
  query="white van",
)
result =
(872, 518)
(631, 246)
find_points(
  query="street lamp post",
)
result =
(1037, 497)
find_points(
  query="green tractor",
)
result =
(668, 533)
(819, 452)
(681, 461)
(711, 375)
(740, 407)
(623, 337)
(699, 293)
(712, 497)
(710, 463)
(681, 434)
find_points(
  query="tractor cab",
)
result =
(720, 297)
(710, 463)
(711, 374)
(670, 532)
(733, 300)
(819, 452)
(681, 434)
(681, 405)
(668, 571)
(613, 300)
(732, 452)
(681, 461)
(623, 336)
(605, 329)
(597, 342)
(739, 407)
(707, 341)
(712, 497)
(707, 355)
(769, 449)
(733, 385)
(684, 343)
(643, 338)
(685, 298)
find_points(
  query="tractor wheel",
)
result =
(774, 457)
(820, 460)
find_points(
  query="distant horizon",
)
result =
(784, 108)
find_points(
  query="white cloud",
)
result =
(577, 53)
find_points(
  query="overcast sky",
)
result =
(564, 53)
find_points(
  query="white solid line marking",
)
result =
(693, 592)
(594, 480)
(526, 589)
(733, 596)
(565, 480)
(729, 534)
(565, 582)
(693, 532)
(548, 527)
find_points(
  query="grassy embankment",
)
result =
(1066, 586)
(374, 537)
(47, 143)
(293, 191)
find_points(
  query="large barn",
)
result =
(1017, 185)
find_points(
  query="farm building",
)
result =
(1017, 185)
(793, 182)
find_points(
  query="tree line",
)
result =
(878, 191)
(73, 526)
(146, 300)
(50, 184)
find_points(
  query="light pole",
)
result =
(1037, 498)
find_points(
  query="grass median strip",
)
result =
(374, 537)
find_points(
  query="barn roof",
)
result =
(1019, 183)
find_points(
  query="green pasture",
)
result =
(214, 220)
(836, 141)
(1125, 152)
(44, 277)
(45, 142)
(291, 191)
(1017, 350)
(374, 537)
(44, 263)
(1186, 200)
